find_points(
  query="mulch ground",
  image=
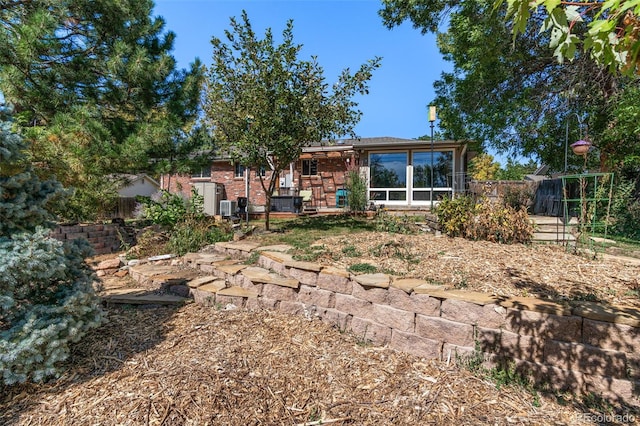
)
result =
(201, 366)
(547, 271)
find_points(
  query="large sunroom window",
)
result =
(393, 178)
(388, 172)
(442, 174)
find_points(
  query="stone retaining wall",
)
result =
(104, 238)
(582, 348)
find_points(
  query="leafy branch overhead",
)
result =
(608, 30)
(263, 103)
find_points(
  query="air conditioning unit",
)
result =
(227, 208)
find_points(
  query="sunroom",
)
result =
(407, 172)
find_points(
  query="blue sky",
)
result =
(342, 34)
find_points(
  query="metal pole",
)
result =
(432, 118)
(566, 145)
(246, 191)
(431, 166)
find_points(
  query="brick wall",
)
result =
(104, 239)
(585, 347)
(330, 178)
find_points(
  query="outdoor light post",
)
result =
(247, 171)
(432, 118)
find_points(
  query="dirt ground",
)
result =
(201, 366)
(542, 270)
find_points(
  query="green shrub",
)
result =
(357, 191)
(351, 251)
(192, 234)
(363, 268)
(518, 197)
(168, 209)
(47, 298)
(625, 211)
(453, 215)
(393, 224)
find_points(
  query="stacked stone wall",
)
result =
(104, 238)
(583, 348)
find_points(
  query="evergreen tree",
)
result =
(95, 86)
(46, 295)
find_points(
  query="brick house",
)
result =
(397, 170)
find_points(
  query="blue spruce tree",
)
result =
(47, 298)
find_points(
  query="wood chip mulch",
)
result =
(547, 271)
(202, 366)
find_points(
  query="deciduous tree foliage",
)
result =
(608, 31)
(47, 299)
(483, 167)
(95, 86)
(513, 95)
(263, 103)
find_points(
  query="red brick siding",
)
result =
(331, 177)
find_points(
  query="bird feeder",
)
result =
(581, 147)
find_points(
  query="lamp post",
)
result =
(432, 118)
(247, 171)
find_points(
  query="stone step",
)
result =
(262, 276)
(553, 228)
(548, 237)
(141, 296)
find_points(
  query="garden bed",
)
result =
(537, 270)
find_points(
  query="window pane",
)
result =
(388, 170)
(309, 167)
(239, 170)
(205, 172)
(377, 195)
(397, 195)
(441, 195)
(442, 171)
(421, 195)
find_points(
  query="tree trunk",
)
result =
(267, 211)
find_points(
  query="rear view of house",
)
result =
(400, 173)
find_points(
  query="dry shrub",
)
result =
(484, 220)
(499, 223)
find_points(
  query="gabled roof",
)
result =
(124, 179)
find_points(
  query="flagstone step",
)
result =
(262, 276)
(141, 296)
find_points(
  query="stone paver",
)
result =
(407, 284)
(213, 287)
(236, 291)
(373, 280)
(243, 246)
(139, 296)
(197, 282)
(231, 269)
(260, 275)
(466, 296)
(535, 305)
(614, 314)
(276, 247)
(277, 256)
